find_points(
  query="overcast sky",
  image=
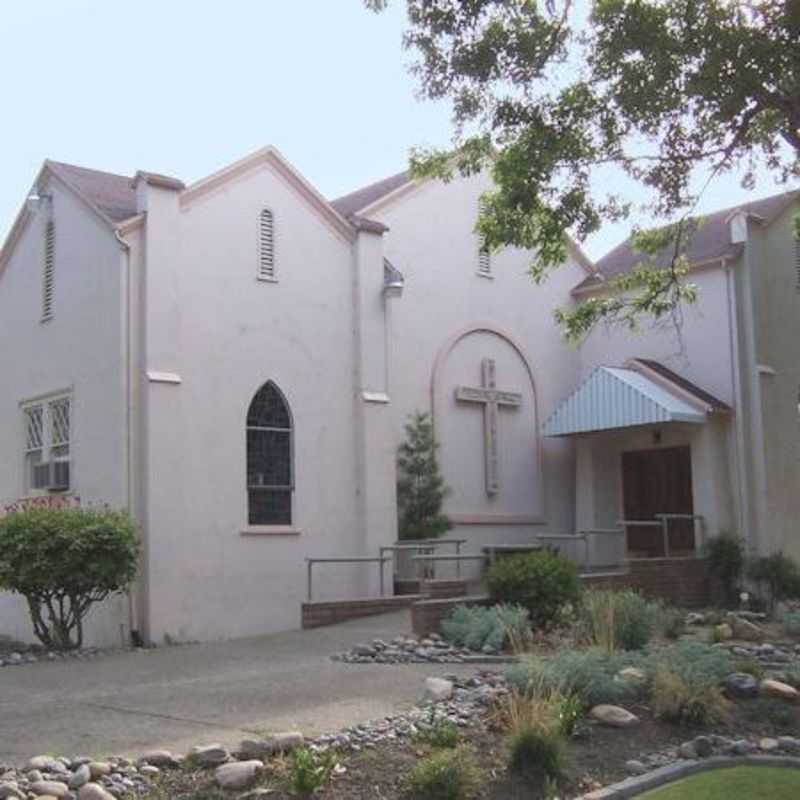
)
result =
(186, 86)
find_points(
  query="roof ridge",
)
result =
(53, 162)
(359, 199)
(717, 212)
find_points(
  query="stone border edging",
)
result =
(632, 787)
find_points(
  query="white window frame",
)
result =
(45, 403)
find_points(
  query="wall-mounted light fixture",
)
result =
(36, 200)
(393, 280)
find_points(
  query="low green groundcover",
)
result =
(747, 783)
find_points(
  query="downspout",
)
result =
(133, 623)
(736, 394)
(358, 405)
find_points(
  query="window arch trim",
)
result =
(270, 474)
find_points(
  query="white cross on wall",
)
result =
(491, 398)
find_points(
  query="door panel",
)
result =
(658, 482)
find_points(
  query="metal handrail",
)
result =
(451, 557)
(351, 560)
(665, 518)
(425, 544)
(584, 536)
(662, 521)
(492, 550)
(401, 542)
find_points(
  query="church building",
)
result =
(235, 360)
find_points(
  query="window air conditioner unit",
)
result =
(59, 476)
(41, 476)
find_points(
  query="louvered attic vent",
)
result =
(797, 259)
(266, 254)
(484, 256)
(48, 275)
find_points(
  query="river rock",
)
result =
(9, 790)
(789, 743)
(780, 690)
(51, 788)
(81, 776)
(438, 689)
(613, 716)
(632, 676)
(703, 746)
(238, 774)
(747, 631)
(767, 744)
(723, 632)
(741, 684)
(45, 764)
(159, 758)
(208, 755)
(94, 791)
(99, 768)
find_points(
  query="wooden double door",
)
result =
(658, 481)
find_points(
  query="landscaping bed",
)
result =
(600, 756)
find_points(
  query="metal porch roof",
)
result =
(617, 398)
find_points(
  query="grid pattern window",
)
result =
(270, 470)
(48, 271)
(484, 256)
(48, 444)
(266, 245)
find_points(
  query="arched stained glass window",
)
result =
(270, 473)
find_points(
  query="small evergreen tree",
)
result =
(420, 486)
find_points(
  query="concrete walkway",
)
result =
(175, 697)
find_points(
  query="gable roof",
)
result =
(112, 197)
(353, 202)
(111, 194)
(679, 384)
(643, 392)
(710, 240)
(348, 205)
(615, 397)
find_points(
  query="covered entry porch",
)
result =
(653, 477)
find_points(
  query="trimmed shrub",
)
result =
(589, 675)
(63, 561)
(445, 775)
(726, 560)
(477, 627)
(542, 582)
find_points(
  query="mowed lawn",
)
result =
(745, 783)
